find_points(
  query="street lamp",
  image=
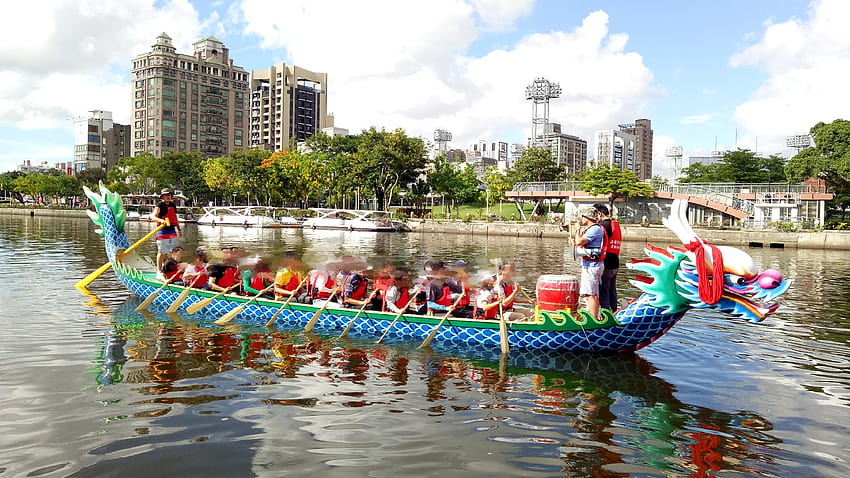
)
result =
(234, 199)
(769, 176)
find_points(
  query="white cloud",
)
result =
(56, 55)
(392, 65)
(807, 62)
(705, 118)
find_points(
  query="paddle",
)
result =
(205, 302)
(403, 309)
(182, 297)
(233, 313)
(94, 275)
(530, 300)
(318, 313)
(433, 333)
(288, 300)
(351, 322)
(503, 330)
(149, 300)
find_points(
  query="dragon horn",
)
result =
(678, 222)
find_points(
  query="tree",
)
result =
(301, 177)
(457, 186)
(386, 161)
(741, 166)
(497, 185)
(91, 177)
(248, 175)
(614, 183)
(419, 190)
(337, 153)
(829, 158)
(701, 173)
(7, 183)
(144, 172)
(535, 165)
(184, 171)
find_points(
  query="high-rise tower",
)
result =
(288, 104)
(192, 102)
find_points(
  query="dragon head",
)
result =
(680, 279)
(109, 215)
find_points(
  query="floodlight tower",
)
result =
(675, 155)
(441, 139)
(798, 142)
(540, 92)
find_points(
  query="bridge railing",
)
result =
(727, 197)
(549, 186)
(719, 196)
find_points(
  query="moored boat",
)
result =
(672, 281)
(246, 216)
(353, 220)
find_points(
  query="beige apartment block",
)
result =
(288, 105)
(196, 102)
(642, 131)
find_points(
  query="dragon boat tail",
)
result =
(672, 281)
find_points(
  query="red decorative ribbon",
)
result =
(711, 279)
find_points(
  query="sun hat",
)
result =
(165, 191)
(590, 213)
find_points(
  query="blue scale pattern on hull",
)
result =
(643, 323)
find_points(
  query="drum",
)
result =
(557, 292)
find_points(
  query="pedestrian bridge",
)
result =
(740, 201)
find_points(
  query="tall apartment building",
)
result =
(99, 142)
(288, 104)
(616, 149)
(642, 130)
(568, 151)
(195, 102)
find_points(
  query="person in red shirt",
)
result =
(172, 268)
(168, 237)
(608, 284)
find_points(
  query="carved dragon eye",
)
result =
(736, 280)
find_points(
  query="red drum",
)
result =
(557, 292)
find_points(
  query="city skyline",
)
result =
(714, 75)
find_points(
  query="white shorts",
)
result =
(591, 274)
(165, 246)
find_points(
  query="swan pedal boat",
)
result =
(672, 280)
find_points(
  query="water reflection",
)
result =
(96, 386)
(597, 414)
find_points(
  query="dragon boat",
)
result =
(672, 281)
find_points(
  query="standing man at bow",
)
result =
(168, 237)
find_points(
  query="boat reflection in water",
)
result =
(586, 414)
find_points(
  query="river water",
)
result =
(92, 388)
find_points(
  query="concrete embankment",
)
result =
(654, 234)
(835, 240)
(41, 211)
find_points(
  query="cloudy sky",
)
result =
(710, 74)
